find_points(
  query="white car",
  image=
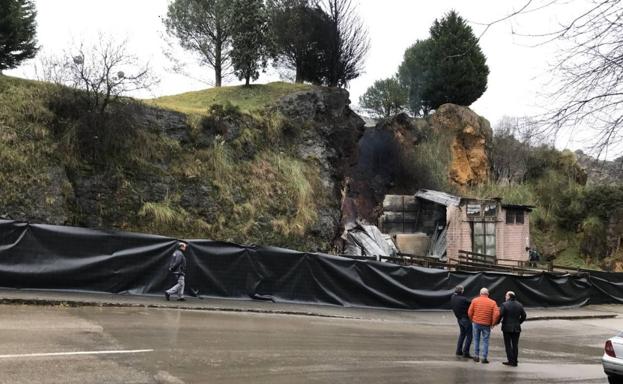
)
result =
(613, 359)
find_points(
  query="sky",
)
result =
(519, 70)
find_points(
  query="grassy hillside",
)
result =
(231, 175)
(248, 99)
(28, 151)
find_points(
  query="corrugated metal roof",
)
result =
(438, 197)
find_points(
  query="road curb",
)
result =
(73, 303)
(80, 303)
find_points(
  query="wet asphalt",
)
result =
(173, 345)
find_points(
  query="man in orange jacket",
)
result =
(484, 314)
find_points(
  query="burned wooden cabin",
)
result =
(437, 224)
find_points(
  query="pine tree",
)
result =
(249, 39)
(18, 29)
(299, 38)
(460, 72)
(205, 27)
(449, 67)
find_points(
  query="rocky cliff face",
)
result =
(329, 140)
(293, 174)
(272, 177)
(470, 136)
(445, 151)
(601, 171)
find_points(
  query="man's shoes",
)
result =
(467, 356)
(485, 361)
(181, 299)
(476, 358)
(459, 353)
(167, 296)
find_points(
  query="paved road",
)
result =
(162, 345)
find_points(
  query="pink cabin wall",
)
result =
(511, 239)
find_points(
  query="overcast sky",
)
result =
(518, 72)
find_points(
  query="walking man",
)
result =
(484, 314)
(460, 304)
(178, 267)
(512, 315)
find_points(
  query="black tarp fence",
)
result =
(38, 256)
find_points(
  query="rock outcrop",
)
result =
(601, 172)
(331, 131)
(402, 154)
(471, 135)
(269, 177)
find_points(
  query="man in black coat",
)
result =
(460, 304)
(512, 315)
(178, 267)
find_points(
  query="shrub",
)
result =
(593, 240)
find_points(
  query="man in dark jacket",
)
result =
(512, 315)
(178, 267)
(460, 304)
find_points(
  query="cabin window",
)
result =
(514, 216)
(483, 237)
(473, 210)
(490, 210)
(481, 211)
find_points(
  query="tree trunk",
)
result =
(246, 79)
(299, 73)
(218, 64)
(217, 75)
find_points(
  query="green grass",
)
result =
(509, 193)
(255, 189)
(26, 149)
(247, 98)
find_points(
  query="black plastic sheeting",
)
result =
(68, 258)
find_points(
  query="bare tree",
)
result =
(102, 73)
(92, 115)
(508, 153)
(588, 73)
(348, 43)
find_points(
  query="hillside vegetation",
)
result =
(219, 173)
(264, 164)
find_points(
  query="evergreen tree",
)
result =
(18, 29)
(449, 67)
(414, 74)
(299, 34)
(249, 39)
(384, 98)
(205, 27)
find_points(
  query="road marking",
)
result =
(75, 353)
